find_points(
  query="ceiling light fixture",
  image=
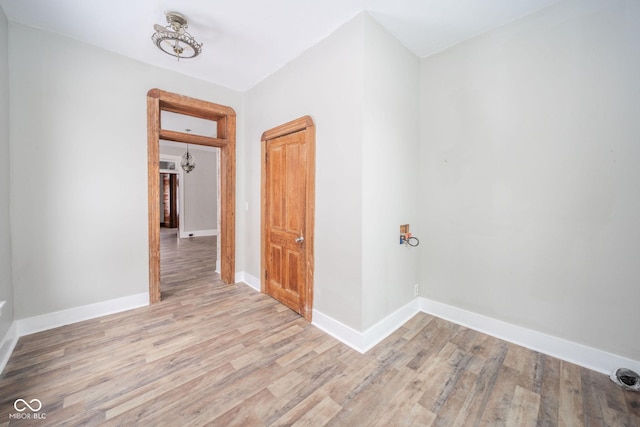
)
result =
(187, 162)
(174, 40)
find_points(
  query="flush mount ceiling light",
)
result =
(174, 40)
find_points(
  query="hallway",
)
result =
(184, 262)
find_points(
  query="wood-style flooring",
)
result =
(225, 355)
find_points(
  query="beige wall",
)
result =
(6, 288)
(78, 125)
(523, 187)
(200, 188)
(389, 172)
(325, 83)
(360, 85)
(529, 177)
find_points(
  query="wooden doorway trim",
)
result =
(302, 124)
(225, 117)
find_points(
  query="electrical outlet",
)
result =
(416, 290)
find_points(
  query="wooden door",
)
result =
(287, 219)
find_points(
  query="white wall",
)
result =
(79, 229)
(360, 85)
(200, 188)
(325, 83)
(389, 172)
(529, 183)
(6, 289)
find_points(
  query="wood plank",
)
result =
(320, 414)
(592, 404)
(524, 408)
(633, 404)
(570, 408)
(550, 389)
(181, 104)
(211, 353)
(482, 393)
(403, 409)
(153, 168)
(190, 138)
(295, 125)
(501, 397)
(247, 412)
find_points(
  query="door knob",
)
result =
(300, 239)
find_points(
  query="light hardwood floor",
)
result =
(226, 355)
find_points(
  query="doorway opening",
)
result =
(225, 121)
(170, 181)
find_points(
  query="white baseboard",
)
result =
(364, 341)
(47, 321)
(390, 324)
(579, 354)
(343, 333)
(7, 344)
(248, 279)
(198, 233)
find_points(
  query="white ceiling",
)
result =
(247, 40)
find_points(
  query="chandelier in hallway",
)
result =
(187, 162)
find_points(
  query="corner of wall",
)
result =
(390, 145)
(6, 272)
(324, 82)
(7, 344)
(48, 321)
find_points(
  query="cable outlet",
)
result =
(416, 290)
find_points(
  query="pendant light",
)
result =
(187, 162)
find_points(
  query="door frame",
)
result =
(225, 117)
(304, 123)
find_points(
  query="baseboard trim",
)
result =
(47, 321)
(252, 281)
(338, 330)
(198, 233)
(364, 341)
(579, 354)
(569, 351)
(248, 279)
(7, 344)
(388, 325)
